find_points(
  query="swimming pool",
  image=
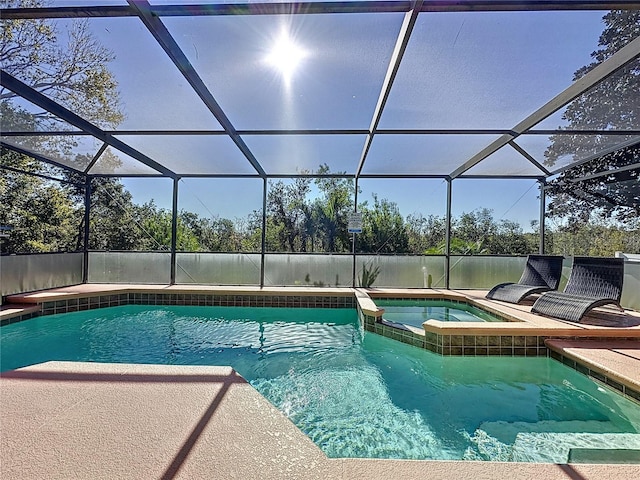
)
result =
(413, 311)
(354, 393)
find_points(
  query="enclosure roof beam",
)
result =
(404, 35)
(622, 57)
(328, 131)
(306, 8)
(177, 56)
(632, 142)
(635, 166)
(37, 98)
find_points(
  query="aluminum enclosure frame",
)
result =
(151, 17)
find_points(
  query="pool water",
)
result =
(354, 393)
(417, 311)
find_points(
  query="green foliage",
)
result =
(289, 215)
(307, 215)
(478, 233)
(383, 228)
(49, 216)
(330, 212)
(611, 104)
(594, 239)
(369, 275)
(425, 232)
(43, 217)
(62, 60)
(607, 198)
(459, 246)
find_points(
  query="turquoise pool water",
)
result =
(417, 311)
(354, 393)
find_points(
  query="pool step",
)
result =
(603, 455)
(549, 447)
(507, 432)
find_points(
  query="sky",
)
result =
(515, 200)
(461, 70)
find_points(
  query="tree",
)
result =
(475, 228)
(71, 67)
(288, 210)
(511, 240)
(614, 195)
(383, 228)
(67, 65)
(113, 219)
(331, 211)
(425, 233)
(596, 239)
(44, 219)
(612, 104)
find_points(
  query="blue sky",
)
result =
(460, 71)
(515, 200)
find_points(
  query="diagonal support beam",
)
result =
(526, 155)
(404, 35)
(37, 98)
(171, 48)
(622, 57)
(95, 158)
(635, 166)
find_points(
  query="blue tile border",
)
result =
(190, 299)
(626, 391)
(18, 318)
(465, 345)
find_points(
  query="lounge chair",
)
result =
(541, 274)
(593, 282)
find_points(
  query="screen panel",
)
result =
(613, 104)
(422, 154)
(295, 154)
(342, 61)
(487, 69)
(506, 161)
(75, 151)
(192, 154)
(562, 150)
(114, 162)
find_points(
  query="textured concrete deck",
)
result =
(63, 420)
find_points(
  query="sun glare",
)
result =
(285, 56)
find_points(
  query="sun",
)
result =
(285, 56)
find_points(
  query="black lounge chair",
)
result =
(593, 282)
(541, 274)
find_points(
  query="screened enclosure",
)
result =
(247, 110)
